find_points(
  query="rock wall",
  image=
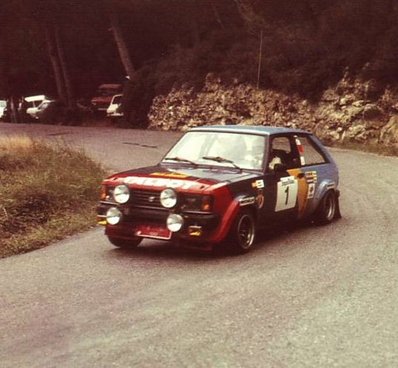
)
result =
(351, 111)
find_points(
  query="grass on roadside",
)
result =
(46, 193)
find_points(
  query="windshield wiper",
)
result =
(221, 159)
(180, 159)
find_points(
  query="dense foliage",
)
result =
(306, 45)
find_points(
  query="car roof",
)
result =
(35, 98)
(251, 129)
(110, 85)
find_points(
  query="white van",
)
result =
(3, 106)
(33, 102)
(113, 110)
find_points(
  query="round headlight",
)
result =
(168, 198)
(174, 222)
(121, 194)
(113, 216)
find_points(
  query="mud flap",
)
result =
(337, 214)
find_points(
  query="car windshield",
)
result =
(106, 92)
(117, 100)
(245, 151)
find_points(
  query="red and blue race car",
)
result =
(219, 185)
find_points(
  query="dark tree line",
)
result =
(67, 47)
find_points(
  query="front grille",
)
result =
(146, 198)
(151, 199)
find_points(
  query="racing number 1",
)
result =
(286, 193)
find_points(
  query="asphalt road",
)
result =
(310, 297)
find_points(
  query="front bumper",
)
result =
(198, 226)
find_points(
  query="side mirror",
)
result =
(278, 168)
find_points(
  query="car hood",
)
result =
(101, 99)
(183, 177)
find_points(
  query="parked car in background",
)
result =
(104, 95)
(219, 185)
(3, 107)
(114, 109)
(30, 105)
(51, 111)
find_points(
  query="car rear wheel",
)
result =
(326, 211)
(124, 243)
(243, 232)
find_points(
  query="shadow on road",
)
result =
(275, 237)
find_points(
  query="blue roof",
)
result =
(253, 129)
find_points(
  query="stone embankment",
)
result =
(353, 110)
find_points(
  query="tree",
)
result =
(55, 60)
(121, 44)
(51, 14)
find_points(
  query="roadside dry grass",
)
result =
(46, 193)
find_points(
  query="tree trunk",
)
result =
(54, 58)
(70, 100)
(3, 78)
(121, 45)
(14, 110)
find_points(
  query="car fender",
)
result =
(248, 201)
(324, 186)
(226, 221)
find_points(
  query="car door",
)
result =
(318, 171)
(286, 186)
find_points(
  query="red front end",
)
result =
(192, 212)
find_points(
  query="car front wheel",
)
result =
(243, 232)
(124, 243)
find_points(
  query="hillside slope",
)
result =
(352, 111)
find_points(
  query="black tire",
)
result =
(327, 209)
(243, 232)
(124, 243)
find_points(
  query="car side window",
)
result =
(282, 153)
(311, 155)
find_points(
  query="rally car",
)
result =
(219, 185)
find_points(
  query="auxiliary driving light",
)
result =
(121, 194)
(174, 222)
(168, 198)
(113, 216)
